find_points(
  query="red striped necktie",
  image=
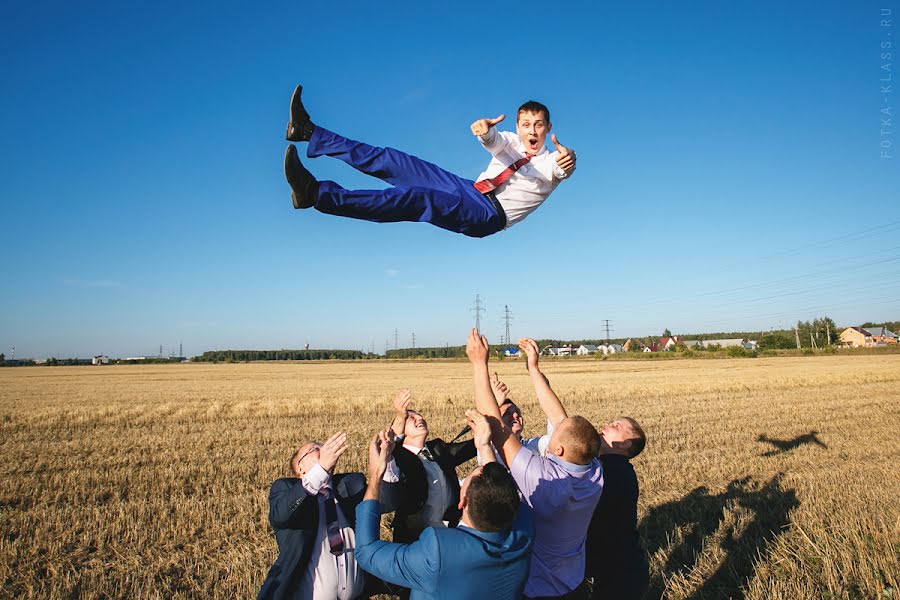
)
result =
(489, 185)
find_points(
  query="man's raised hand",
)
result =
(477, 348)
(332, 450)
(482, 126)
(481, 429)
(501, 391)
(565, 157)
(530, 348)
(401, 403)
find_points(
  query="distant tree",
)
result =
(2, 357)
(777, 340)
(667, 333)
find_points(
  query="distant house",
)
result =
(100, 359)
(648, 349)
(614, 348)
(691, 344)
(724, 343)
(750, 345)
(881, 335)
(511, 352)
(585, 349)
(857, 337)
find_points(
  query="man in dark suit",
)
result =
(426, 471)
(314, 516)
(486, 556)
(614, 557)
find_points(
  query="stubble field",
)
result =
(765, 478)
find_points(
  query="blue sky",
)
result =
(729, 172)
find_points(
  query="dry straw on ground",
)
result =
(766, 478)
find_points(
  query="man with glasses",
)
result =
(313, 514)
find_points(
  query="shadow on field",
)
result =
(787, 445)
(698, 520)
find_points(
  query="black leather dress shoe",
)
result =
(304, 186)
(300, 128)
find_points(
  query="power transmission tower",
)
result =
(385, 347)
(180, 350)
(797, 335)
(608, 329)
(478, 309)
(414, 339)
(507, 317)
(395, 339)
(372, 350)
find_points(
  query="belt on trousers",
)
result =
(493, 198)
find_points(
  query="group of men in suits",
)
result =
(553, 516)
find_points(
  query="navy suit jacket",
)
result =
(294, 515)
(448, 563)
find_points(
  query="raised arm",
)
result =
(401, 406)
(477, 349)
(548, 400)
(488, 135)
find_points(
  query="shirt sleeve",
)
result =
(494, 141)
(391, 472)
(528, 471)
(315, 479)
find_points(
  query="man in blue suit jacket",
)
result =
(486, 556)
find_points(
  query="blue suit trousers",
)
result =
(421, 190)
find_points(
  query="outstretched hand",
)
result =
(401, 403)
(482, 126)
(380, 448)
(332, 450)
(481, 429)
(532, 352)
(565, 157)
(477, 348)
(500, 389)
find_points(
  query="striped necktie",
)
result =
(489, 185)
(335, 540)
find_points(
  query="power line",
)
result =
(478, 309)
(507, 317)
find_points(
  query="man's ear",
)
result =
(463, 502)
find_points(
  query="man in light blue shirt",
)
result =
(562, 488)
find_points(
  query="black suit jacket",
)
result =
(294, 515)
(414, 484)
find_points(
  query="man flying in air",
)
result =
(520, 177)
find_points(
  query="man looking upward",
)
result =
(426, 470)
(562, 488)
(615, 559)
(521, 175)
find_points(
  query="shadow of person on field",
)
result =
(689, 525)
(787, 445)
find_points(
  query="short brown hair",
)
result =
(639, 440)
(581, 439)
(493, 498)
(535, 107)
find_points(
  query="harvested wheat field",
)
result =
(762, 478)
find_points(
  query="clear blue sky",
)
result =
(729, 175)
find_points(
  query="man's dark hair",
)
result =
(639, 440)
(535, 107)
(493, 499)
(581, 439)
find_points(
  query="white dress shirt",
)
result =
(528, 187)
(329, 577)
